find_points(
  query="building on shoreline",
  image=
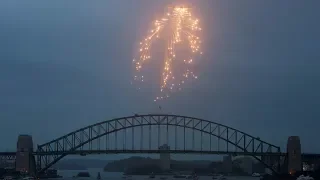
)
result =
(164, 157)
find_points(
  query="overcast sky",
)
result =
(67, 64)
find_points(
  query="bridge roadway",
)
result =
(85, 152)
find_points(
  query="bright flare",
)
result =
(176, 28)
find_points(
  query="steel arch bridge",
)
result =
(146, 133)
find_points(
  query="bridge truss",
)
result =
(7, 159)
(146, 133)
(8, 156)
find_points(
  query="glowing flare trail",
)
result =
(176, 28)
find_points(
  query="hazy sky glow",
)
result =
(69, 62)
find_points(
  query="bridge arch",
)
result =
(243, 143)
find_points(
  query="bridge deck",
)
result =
(84, 152)
(120, 151)
(8, 153)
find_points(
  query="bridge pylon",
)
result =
(25, 161)
(294, 154)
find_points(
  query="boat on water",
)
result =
(49, 174)
(126, 177)
(194, 177)
(83, 174)
(256, 175)
(8, 178)
(179, 176)
(152, 175)
(219, 177)
(302, 177)
(28, 178)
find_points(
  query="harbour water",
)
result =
(68, 175)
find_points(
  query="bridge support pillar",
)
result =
(294, 154)
(25, 162)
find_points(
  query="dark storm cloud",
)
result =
(70, 63)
